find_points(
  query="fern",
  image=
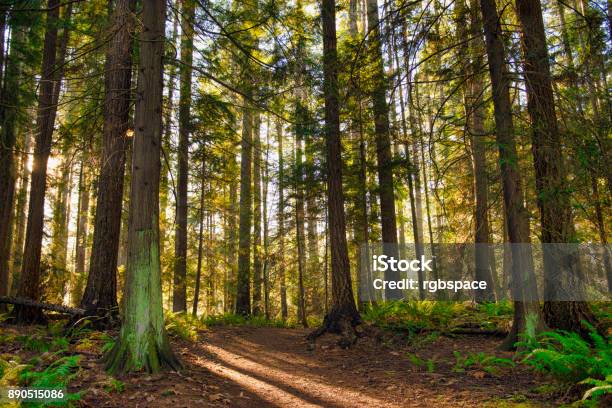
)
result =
(571, 359)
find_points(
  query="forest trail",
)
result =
(269, 367)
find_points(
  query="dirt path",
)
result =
(266, 367)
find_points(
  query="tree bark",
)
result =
(551, 182)
(257, 261)
(49, 89)
(100, 296)
(81, 232)
(243, 287)
(526, 306)
(475, 132)
(9, 101)
(301, 116)
(196, 291)
(383, 146)
(179, 300)
(343, 315)
(281, 220)
(143, 343)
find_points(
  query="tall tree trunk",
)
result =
(233, 241)
(9, 101)
(196, 291)
(56, 282)
(100, 296)
(526, 307)
(383, 147)
(311, 214)
(21, 214)
(553, 198)
(166, 183)
(179, 300)
(257, 261)
(243, 287)
(50, 84)
(81, 232)
(301, 116)
(266, 229)
(343, 315)
(475, 132)
(417, 237)
(143, 343)
(281, 220)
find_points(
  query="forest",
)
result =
(197, 198)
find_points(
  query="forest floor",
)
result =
(262, 366)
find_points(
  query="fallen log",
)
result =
(479, 332)
(42, 305)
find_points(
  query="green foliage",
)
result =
(571, 359)
(429, 364)
(57, 375)
(183, 325)
(496, 309)
(413, 316)
(488, 363)
(114, 385)
(40, 343)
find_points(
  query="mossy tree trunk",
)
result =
(143, 343)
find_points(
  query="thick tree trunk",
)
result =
(47, 108)
(100, 296)
(143, 343)
(343, 315)
(179, 300)
(553, 197)
(243, 287)
(257, 261)
(281, 220)
(526, 307)
(9, 100)
(383, 146)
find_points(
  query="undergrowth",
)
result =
(572, 360)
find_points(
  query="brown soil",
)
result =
(268, 367)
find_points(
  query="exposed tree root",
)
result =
(124, 358)
(98, 319)
(339, 321)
